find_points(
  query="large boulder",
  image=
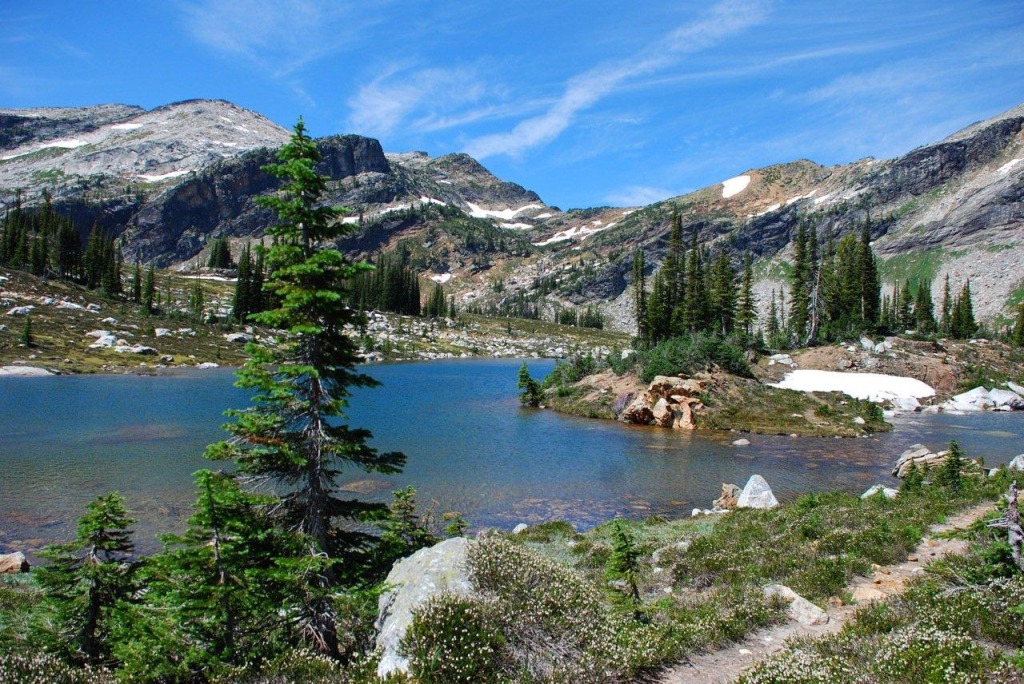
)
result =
(916, 453)
(800, 609)
(1005, 398)
(13, 563)
(411, 582)
(978, 399)
(1014, 387)
(1017, 463)
(756, 494)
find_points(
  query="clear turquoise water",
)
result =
(471, 448)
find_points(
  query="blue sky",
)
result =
(587, 103)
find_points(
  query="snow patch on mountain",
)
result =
(734, 186)
(476, 211)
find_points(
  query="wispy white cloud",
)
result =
(431, 99)
(586, 89)
(639, 195)
(280, 37)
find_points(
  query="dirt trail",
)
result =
(725, 665)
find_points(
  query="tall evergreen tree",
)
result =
(1018, 328)
(947, 308)
(640, 293)
(86, 578)
(870, 287)
(149, 291)
(746, 315)
(293, 435)
(963, 325)
(924, 309)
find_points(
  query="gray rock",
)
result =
(23, 371)
(741, 442)
(1014, 387)
(978, 399)
(858, 420)
(521, 527)
(412, 581)
(238, 338)
(800, 609)
(887, 492)
(1006, 399)
(757, 494)
(1017, 463)
(20, 311)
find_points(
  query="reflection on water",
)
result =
(471, 448)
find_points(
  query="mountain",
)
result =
(169, 179)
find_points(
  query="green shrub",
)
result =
(691, 353)
(453, 639)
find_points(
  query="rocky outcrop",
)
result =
(411, 582)
(756, 494)
(13, 563)
(926, 459)
(669, 402)
(729, 498)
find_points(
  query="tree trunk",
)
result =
(1014, 532)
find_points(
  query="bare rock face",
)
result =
(669, 402)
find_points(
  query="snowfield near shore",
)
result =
(873, 386)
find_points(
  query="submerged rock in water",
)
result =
(412, 581)
(757, 494)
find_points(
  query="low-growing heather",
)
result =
(962, 622)
(454, 639)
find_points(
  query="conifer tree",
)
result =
(624, 563)
(963, 325)
(293, 435)
(773, 318)
(799, 307)
(197, 300)
(530, 392)
(149, 291)
(85, 579)
(947, 307)
(951, 471)
(870, 288)
(640, 293)
(137, 284)
(924, 310)
(913, 483)
(746, 316)
(26, 339)
(213, 594)
(1018, 328)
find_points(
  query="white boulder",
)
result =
(741, 442)
(240, 338)
(887, 492)
(1006, 399)
(1017, 463)
(757, 494)
(978, 399)
(20, 311)
(13, 563)
(521, 527)
(412, 581)
(161, 332)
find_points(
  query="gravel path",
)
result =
(725, 665)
